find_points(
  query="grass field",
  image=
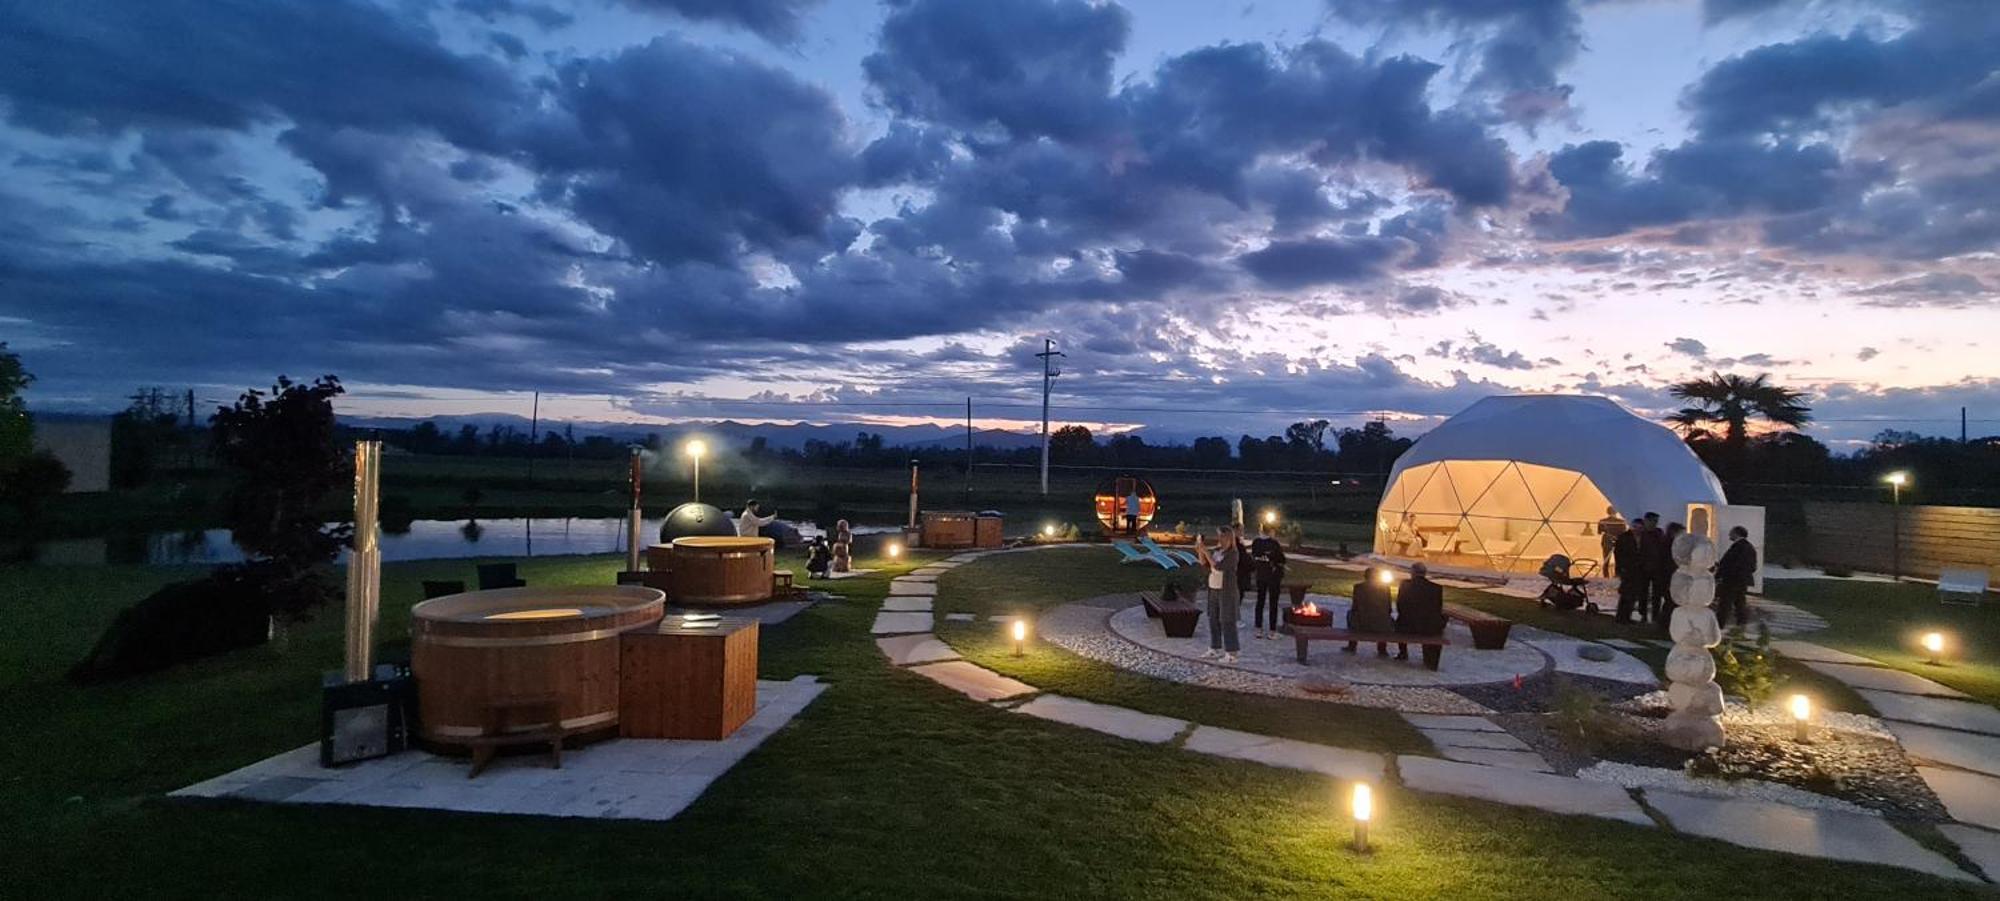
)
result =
(888, 786)
(1884, 621)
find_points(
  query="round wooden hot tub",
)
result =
(470, 651)
(949, 528)
(722, 571)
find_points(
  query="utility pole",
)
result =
(968, 451)
(1049, 373)
(1961, 425)
(534, 434)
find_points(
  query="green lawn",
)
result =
(1883, 621)
(887, 786)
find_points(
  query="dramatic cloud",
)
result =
(778, 20)
(1522, 45)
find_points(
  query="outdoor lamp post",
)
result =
(1364, 810)
(695, 450)
(1020, 635)
(1801, 718)
(1896, 482)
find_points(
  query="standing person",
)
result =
(1655, 558)
(750, 523)
(1370, 610)
(1420, 611)
(1225, 595)
(1132, 512)
(1608, 530)
(1631, 574)
(1662, 600)
(1733, 575)
(1269, 556)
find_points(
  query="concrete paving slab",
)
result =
(904, 650)
(1461, 723)
(1806, 650)
(1513, 760)
(907, 604)
(1104, 718)
(1340, 763)
(893, 623)
(1966, 716)
(1978, 845)
(961, 617)
(1965, 750)
(920, 589)
(1543, 791)
(975, 682)
(1881, 679)
(932, 571)
(1452, 738)
(913, 577)
(1622, 667)
(1970, 797)
(1829, 834)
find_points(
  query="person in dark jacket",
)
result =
(1733, 575)
(820, 559)
(1420, 611)
(1631, 575)
(1370, 611)
(1268, 555)
(1656, 558)
(1661, 600)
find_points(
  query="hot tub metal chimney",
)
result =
(633, 527)
(364, 566)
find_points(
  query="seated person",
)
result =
(819, 559)
(1419, 611)
(1370, 612)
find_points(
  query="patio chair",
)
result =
(1963, 585)
(1185, 558)
(499, 575)
(438, 589)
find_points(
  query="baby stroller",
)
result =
(1566, 591)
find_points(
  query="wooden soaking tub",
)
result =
(474, 650)
(949, 528)
(722, 571)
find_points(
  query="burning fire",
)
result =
(1310, 609)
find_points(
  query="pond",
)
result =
(424, 539)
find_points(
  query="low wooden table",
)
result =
(677, 681)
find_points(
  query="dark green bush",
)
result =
(228, 609)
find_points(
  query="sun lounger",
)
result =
(1183, 557)
(1131, 554)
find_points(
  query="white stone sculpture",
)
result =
(1696, 721)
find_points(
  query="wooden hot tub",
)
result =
(948, 528)
(722, 571)
(471, 650)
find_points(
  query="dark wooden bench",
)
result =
(1489, 632)
(1177, 617)
(1433, 645)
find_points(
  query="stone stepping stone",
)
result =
(932, 571)
(960, 618)
(1980, 846)
(907, 604)
(1882, 679)
(904, 650)
(1452, 738)
(1428, 721)
(920, 589)
(975, 682)
(1528, 761)
(1829, 834)
(1542, 791)
(1970, 797)
(1967, 716)
(1340, 763)
(913, 577)
(894, 623)
(1104, 718)
(1965, 750)
(1806, 650)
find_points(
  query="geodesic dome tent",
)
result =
(1514, 479)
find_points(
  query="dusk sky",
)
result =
(1229, 215)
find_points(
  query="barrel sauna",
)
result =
(722, 571)
(986, 531)
(469, 651)
(949, 528)
(1109, 504)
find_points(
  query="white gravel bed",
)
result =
(1650, 778)
(1774, 713)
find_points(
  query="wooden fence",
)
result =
(1860, 537)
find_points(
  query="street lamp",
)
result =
(1896, 482)
(695, 450)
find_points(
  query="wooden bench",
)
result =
(1177, 617)
(1489, 632)
(1433, 645)
(505, 716)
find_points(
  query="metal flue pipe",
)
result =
(364, 565)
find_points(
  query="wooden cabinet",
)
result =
(677, 681)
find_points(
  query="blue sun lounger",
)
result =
(1131, 554)
(1185, 558)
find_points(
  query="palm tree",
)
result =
(1731, 401)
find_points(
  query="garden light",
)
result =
(1049, 531)
(1020, 636)
(1934, 645)
(1364, 810)
(1270, 517)
(1385, 577)
(1898, 479)
(895, 550)
(1801, 717)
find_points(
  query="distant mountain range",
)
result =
(778, 436)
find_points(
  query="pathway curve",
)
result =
(906, 639)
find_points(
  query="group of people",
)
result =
(1418, 609)
(1233, 568)
(1640, 554)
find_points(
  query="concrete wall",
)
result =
(1859, 537)
(82, 445)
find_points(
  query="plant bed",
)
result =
(1536, 694)
(1864, 769)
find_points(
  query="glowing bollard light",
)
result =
(1385, 577)
(1048, 531)
(1801, 718)
(1020, 636)
(1270, 517)
(1364, 810)
(895, 550)
(1934, 645)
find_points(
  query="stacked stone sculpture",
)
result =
(843, 544)
(1696, 721)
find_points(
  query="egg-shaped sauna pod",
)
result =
(473, 651)
(722, 570)
(1114, 496)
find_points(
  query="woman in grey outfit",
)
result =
(1224, 595)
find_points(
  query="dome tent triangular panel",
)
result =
(1535, 473)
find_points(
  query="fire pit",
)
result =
(1308, 614)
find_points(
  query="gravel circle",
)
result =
(1655, 778)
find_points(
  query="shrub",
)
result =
(1291, 534)
(1751, 675)
(1581, 715)
(228, 609)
